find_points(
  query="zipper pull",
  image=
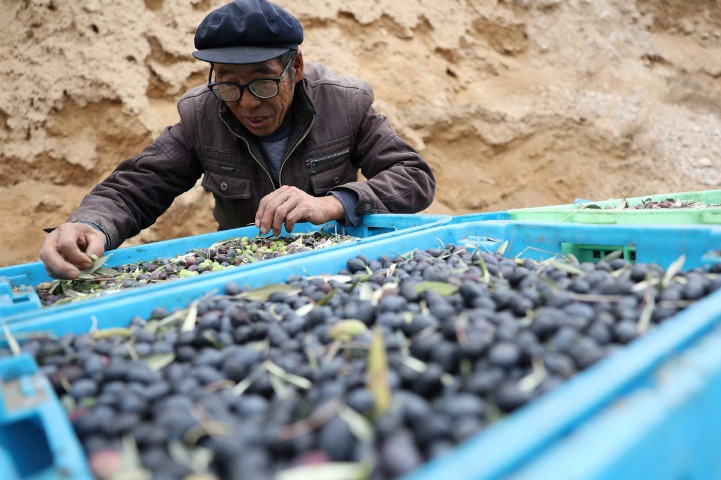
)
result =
(312, 166)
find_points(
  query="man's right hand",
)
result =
(67, 248)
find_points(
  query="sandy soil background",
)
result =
(515, 103)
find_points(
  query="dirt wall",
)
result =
(514, 103)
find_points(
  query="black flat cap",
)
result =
(246, 31)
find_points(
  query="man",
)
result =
(275, 140)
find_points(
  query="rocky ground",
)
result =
(515, 103)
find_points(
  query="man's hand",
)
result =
(290, 205)
(67, 248)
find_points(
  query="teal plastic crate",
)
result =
(37, 440)
(611, 212)
(527, 435)
(669, 429)
(19, 302)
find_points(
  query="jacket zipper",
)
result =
(270, 177)
(290, 152)
(313, 162)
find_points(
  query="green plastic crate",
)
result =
(611, 212)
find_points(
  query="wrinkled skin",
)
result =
(66, 249)
(290, 205)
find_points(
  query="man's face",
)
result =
(261, 116)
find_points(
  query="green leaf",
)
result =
(345, 330)
(324, 471)
(190, 318)
(244, 384)
(377, 381)
(110, 333)
(442, 288)
(12, 343)
(159, 361)
(327, 278)
(97, 263)
(533, 379)
(298, 381)
(305, 309)
(644, 320)
(566, 267)
(673, 270)
(326, 298)
(486, 276)
(263, 293)
(358, 425)
(502, 248)
(108, 272)
(222, 242)
(196, 458)
(130, 467)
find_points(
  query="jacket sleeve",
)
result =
(398, 179)
(141, 188)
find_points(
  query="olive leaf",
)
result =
(327, 278)
(215, 245)
(244, 384)
(644, 319)
(203, 429)
(263, 293)
(196, 458)
(613, 255)
(414, 364)
(304, 310)
(672, 271)
(111, 332)
(159, 361)
(190, 318)
(97, 263)
(377, 381)
(130, 467)
(324, 471)
(485, 274)
(443, 289)
(358, 425)
(326, 298)
(345, 330)
(533, 379)
(365, 292)
(12, 343)
(566, 267)
(298, 381)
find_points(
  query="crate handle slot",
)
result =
(596, 253)
(26, 446)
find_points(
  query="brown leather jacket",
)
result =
(335, 133)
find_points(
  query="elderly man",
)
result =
(277, 141)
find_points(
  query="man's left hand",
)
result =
(290, 205)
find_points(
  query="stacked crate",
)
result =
(670, 370)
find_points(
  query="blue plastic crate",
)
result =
(36, 439)
(23, 305)
(518, 439)
(669, 429)
(480, 216)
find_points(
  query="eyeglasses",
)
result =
(263, 88)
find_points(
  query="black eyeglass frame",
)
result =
(249, 86)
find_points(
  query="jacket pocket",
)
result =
(230, 187)
(330, 170)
